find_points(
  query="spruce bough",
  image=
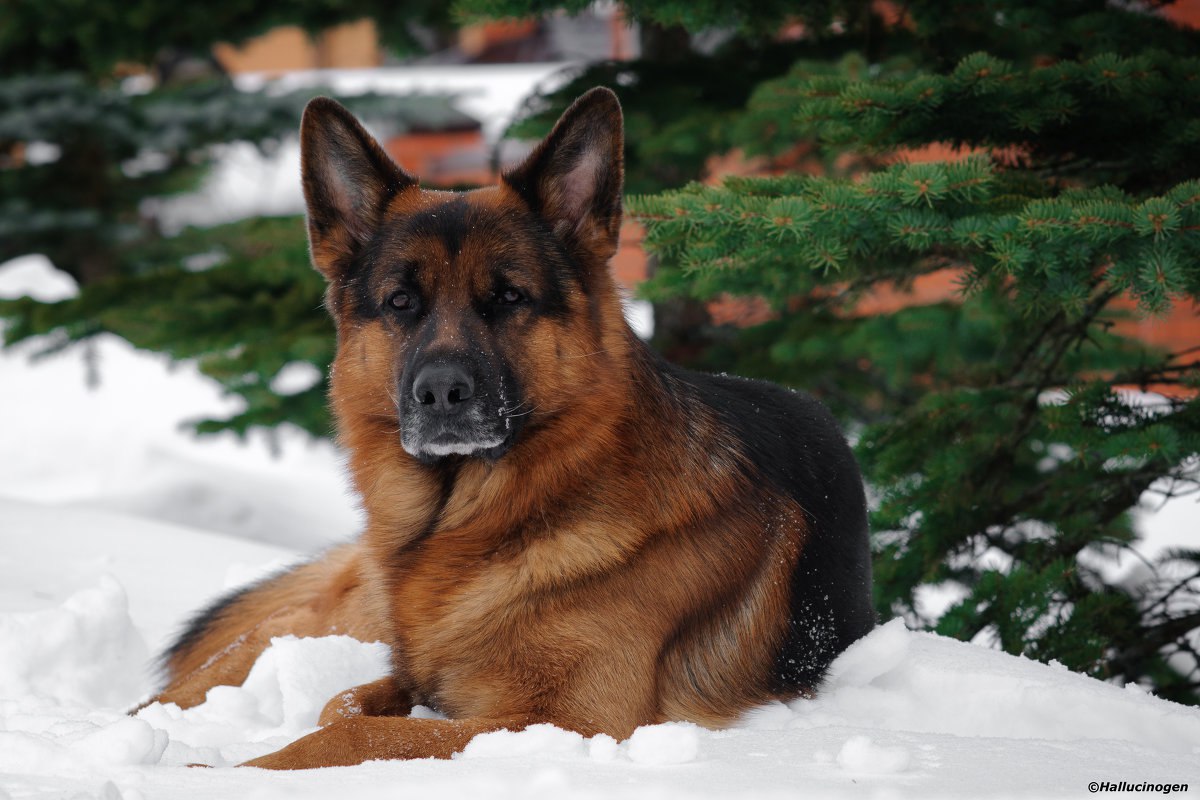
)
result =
(997, 427)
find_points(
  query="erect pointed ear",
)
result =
(573, 178)
(348, 181)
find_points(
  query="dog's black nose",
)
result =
(443, 387)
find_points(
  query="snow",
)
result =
(491, 93)
(295, 377)
(116, 525)
(666, 743)
(279, 701)
(128, 450)
(860, 754)
(86, 651)
(536, 742)
(34, 276)
(246, 181)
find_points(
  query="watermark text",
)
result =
(1136, 786)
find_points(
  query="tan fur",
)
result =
(381, 698)
(319, 599)
(344, 743)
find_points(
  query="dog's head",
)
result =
(469, 316)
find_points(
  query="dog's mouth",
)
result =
(456, 446)
(429, 439)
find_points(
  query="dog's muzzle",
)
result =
(444, 415)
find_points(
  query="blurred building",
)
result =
(442, 156)
(354, 45)
(593, 35)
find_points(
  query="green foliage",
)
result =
(786, 237)
(756, 17)
(670, 131)
(243, 319)
(938, 33)
(68, 36)
(81, 153)
(1003, 461)
(1052, 115)
(82, 208)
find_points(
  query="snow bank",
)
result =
(64, 673)
(898, 680)
(100, 426)
(67, 673)
(539, 741)
(918, 714)
(668, 743)
(860, 754)
(279, 701)
(115, 526)
(168, 571)
(34, 742)
(84, 652)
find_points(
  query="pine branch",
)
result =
(1079, 117)
(728, 239)
(1153, 638)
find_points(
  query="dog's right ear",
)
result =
(348, 181)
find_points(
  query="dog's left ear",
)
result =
(573, 178)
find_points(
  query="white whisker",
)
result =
(522, 413)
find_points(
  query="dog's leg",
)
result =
(222, 644)
(354, 740)
(382, 698)
(228, 659)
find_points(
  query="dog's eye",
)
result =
(509, 297)
(401, 301)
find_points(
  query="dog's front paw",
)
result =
(354, 740)
(336, 745)
(381, 698)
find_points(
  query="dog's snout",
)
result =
(443, 387)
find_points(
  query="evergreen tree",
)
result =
(81, 151)
(49, 36)
(1003, 458)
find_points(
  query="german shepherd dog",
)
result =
(561, 527)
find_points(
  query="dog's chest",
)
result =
(473, 640)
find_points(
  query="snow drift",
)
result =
(115, 526)
(913, 712)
